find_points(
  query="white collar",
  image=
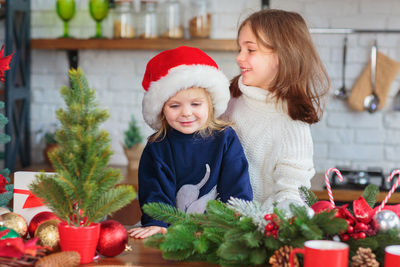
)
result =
(254, 92)
(262, 95)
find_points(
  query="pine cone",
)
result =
(60, 259)
(364, 258)
(281, 257)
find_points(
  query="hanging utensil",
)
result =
(396, 101)
(342, 92)
(371, 101)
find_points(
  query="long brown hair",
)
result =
(301, 79)
(212, 123)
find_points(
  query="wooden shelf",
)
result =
(132, 44)
(350, 195)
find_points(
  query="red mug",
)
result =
(392, 256)
(324, 253)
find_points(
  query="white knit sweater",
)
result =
(279, 149)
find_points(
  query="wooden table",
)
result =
(141, 256)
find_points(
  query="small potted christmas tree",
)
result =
(83, 189)
(133, 146)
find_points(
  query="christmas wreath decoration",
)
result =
(239, 233)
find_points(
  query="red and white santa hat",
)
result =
(173, 70)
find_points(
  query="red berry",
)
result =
(267, 217)
(345, 237)
(362, 235)
(361, 227)
(269, 227)
(350, 229)
(349, 222)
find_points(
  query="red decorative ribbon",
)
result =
(32, 201)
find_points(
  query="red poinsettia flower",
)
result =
(343, 213)
(4, 64)
(362, 211)
(12, 247)
(16, 248)
(3, 182)
(361, 224)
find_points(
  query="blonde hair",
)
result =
(212, 124)
(301, 79)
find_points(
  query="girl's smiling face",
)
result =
(258, 64)
(187, 111)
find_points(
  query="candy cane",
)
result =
(396, 184)
(328, 184)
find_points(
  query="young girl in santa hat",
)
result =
(193, 157)
(274, 101)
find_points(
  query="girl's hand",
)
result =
(143, 232)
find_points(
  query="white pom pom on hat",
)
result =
(173, 70)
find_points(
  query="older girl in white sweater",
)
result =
(274, 101)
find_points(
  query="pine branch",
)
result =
(47, 187)
(307, 196)
(327, 221)
(163, 212)
(370, 193)
(154, 241)
(251, 209)
(109, 202)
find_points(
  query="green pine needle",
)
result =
(258, 256)
(154, 241)
(308, 196)
(370, 193)
(253, 239)
(164, 212)
(201, 245)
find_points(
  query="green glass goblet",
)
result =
(66, 11)
(98, 11)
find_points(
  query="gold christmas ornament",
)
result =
(281, 257)
(16, 222)
(47, 232)
(364, 258)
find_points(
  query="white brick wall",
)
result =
(343, 137)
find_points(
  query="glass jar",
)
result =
(148, 19)
(200, 20)
(171, 22)
(123, 19)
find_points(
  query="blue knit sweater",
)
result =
(187, 170)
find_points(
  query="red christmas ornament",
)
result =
(113, 238)
(39, 218)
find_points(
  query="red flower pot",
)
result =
(80, 239)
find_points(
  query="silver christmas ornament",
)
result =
(386, 220)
